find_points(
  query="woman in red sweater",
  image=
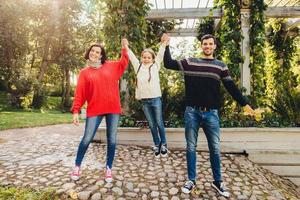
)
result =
(98, 85)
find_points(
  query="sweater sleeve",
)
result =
(160, 55)
(123, 62)
(134, 61)
(80, 94)
(232, 88)
(169, 63)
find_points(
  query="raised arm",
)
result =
(160, 54)
(123, 61)
(133, 59)
(169, 63)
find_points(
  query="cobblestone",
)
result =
(43, 157)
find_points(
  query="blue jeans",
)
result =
(209, 121)
(153, 112)
(91, 126)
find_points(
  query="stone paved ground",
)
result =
(43, 157)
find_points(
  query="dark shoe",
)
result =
(188, 187)
(219, 186)
(156, 150)
(164, 150)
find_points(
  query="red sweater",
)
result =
(99, 87)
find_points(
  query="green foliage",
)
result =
(270, 119)
(39, 98)
(257, 54)
(127, 121)
(38, 41)
(281, 91)
(155, 29)
(127, 19)
(206, 26)
(230, 36)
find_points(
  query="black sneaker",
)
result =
(156, 150)
(188, 187)
(164, 150)
(219, 186)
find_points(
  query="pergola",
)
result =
(190, 12)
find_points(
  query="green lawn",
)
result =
(21, 118)
(18, 118)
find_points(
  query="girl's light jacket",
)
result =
(147, 89)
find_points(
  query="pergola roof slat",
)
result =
(197, 9)
(191, 13)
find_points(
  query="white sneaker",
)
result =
(76, 173)
(108, 175)
(188, 187)
(219, 186)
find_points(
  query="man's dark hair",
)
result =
(103, 54)
(208, 36)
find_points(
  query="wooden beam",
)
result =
(283, 12)
(183, 32)
(217, 24)
(182, 13)
(192, 13)
(291, 25)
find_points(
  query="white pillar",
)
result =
(245, 70)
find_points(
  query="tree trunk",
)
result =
(38, 97)
(63, 90)
(66, 96)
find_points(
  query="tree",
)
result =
(15, 68)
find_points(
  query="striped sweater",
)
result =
(202, 80)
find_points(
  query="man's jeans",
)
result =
(91, 126)
(209, 121)
(153, 112)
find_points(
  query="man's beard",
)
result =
(207, 54)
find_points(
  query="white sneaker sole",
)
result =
(224, 194)
(75, 178)
(108, 180)
(164, 155)
(186, 191)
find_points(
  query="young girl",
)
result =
(98, 85)
(149, 93)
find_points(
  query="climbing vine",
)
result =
(230, 35)
(282, 95)
(257, 53)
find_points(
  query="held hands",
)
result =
(125, 43)
(76, 119)
(255, 113)
(165, 39)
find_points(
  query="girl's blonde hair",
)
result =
(149, 50)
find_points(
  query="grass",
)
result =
(21, 119)
(17, 118)
(12, 193)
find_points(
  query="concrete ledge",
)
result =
(276, 149)
(232, 139)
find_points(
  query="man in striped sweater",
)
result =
(203, 77)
